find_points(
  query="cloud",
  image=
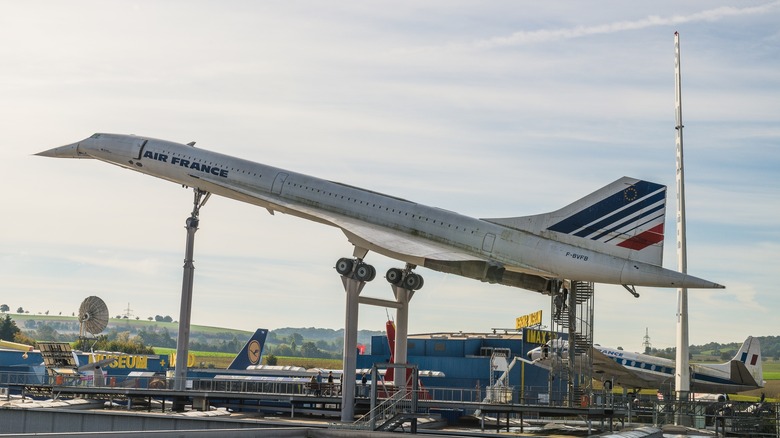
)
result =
(547, 35)
(523, 38)
(117, 261)
(466, 126)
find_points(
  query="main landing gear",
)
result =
(361, 271)
(355, 268)
(405, 278)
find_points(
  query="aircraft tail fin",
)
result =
(624, 218)
(748, 361)
(251, 353)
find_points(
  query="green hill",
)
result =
(154, 333)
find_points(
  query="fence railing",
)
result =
(17, 378)
(401, 401)
(755, 418)
(530, 396)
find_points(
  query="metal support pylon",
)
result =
(185, 310)
(402, 296)
(352, 287)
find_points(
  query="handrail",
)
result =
(398, 402)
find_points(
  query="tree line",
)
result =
(140, 341)
(770, 349)
(290, 342)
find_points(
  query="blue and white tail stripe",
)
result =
(632, 217)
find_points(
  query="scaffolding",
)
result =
(572, 362)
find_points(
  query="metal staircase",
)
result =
(572, 364)
(392, 412)
(386, 416)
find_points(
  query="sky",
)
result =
(490, 109)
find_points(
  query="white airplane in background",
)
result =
(636, 371)
(614, 235)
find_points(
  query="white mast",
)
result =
(682, 381)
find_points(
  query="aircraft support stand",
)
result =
(354, 275)
(402, 296)
(353, 288)
(185, 311)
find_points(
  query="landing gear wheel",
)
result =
(365, 272)
(344, 266)
(394, 276)
(412, 281)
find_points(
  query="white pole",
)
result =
(682, 376)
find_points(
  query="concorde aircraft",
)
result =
(636, 371)
(614, 235)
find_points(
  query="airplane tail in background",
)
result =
(251, 353)
(746, 364)
(624, 218)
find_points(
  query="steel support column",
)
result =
(402, 297)
(185, 309)
(352, 288)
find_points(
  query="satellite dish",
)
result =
(93, 316)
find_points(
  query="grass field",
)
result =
(203, 359)
(211, 359)
(120, 323)
(771, 369)
(771, 390)
(310, 362)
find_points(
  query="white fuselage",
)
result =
(332, 203)
(708, 378)
(646, 371)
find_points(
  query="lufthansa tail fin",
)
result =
(251, 353)
(624, 218)
(748, 361)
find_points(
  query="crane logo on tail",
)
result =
(253, 352)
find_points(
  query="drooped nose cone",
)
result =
(74, 150)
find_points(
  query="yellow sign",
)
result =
(529, 320)
(190, 360)
(537, 336)
(122, 360)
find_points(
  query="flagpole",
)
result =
(682, 381)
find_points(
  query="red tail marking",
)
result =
(645, 239)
